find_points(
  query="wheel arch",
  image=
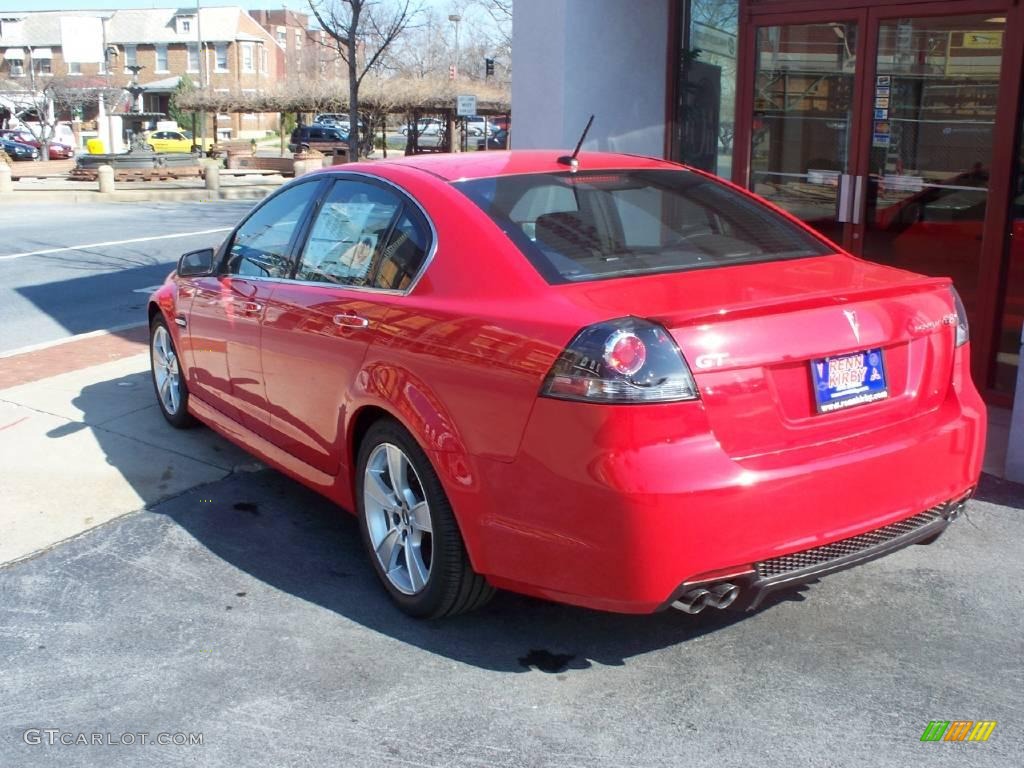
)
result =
(423, 416)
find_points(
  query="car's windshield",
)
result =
(601, 224)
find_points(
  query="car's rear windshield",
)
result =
(601, 224)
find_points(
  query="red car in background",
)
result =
(608, 381)
(58, 151)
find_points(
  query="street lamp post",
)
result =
(454, 18)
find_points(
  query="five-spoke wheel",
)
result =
(171, 391)
(409, 529)
(397, 518)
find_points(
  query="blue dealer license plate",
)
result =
(849, 380)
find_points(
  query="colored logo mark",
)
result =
(958, 730)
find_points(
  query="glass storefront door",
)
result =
(879, 129)
(932, 123)
(802, 126)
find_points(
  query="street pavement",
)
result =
(88, 287)
(157, 581)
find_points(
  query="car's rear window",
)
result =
(601, 224)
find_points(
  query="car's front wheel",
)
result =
(168, 380)
(409, 530)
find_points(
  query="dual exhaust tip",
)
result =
(718, 596)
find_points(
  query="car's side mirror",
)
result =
(196, 263)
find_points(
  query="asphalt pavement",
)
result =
(67, 270)
(245, 614)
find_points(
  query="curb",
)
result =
(251, 192)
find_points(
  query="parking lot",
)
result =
(223, 600)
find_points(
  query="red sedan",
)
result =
(622, 384)
(58, 151)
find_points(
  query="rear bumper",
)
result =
(810, 565)
(615, 508)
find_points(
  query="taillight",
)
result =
(963, 328)
(621, 361)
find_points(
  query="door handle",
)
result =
(350, 320)
(250, 307)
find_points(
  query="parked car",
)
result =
(475, 126)
(609, 381)
(428, 126)
(320, 137)
(18, 151)
(497, 140)
(58, 151)
(171, 141)
(336, 119)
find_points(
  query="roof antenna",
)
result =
(571, 160)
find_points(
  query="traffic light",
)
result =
(451, 71)
(489, 67)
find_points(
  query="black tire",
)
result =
(452, 587)
(179, 418)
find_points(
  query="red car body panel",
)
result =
(611, 507)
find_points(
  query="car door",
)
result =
(319, 325)
(158, 141)
(227, 308)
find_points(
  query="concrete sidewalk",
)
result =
(88, 444)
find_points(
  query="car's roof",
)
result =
(481, 165)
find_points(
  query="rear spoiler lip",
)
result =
(799, 302)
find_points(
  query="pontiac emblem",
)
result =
(851, 318)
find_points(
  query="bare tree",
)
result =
(501, 13)
(361, 31)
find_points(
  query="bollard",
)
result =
(300, 167)
(105, 176)
(212, 176)
(6, 185)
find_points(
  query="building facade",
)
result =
(305, 52)
(892, 127)
(221, 48)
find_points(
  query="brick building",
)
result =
(304, 52)
(221, 48)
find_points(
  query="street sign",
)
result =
(465, 105)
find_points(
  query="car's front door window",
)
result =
(261, 246)
(349, 233)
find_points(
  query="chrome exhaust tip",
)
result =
(723, 595)
(694, 601)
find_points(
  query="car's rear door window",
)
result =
(602, 224)
(348, 235)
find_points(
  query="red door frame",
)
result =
(867, 14)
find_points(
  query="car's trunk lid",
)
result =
(751, 335)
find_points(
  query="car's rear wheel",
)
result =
(409, 530)
(168, 381)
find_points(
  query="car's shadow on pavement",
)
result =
(297, 542)
(294, 540)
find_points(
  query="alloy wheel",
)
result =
(398, 518)
(165, 371)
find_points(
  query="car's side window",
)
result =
(348, 234)
(260, 246)
(404, 253)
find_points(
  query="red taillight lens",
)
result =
(625, 353)
(621, 361)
